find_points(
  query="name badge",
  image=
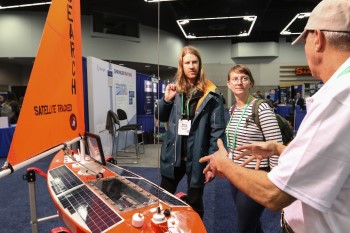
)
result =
(184, 127)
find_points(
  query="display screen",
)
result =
(94, 148)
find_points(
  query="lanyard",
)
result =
(188, 103)
(347, 70)
(233, 144)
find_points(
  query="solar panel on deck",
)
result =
(155, 190)
(63, 179)
(93, 211)
(120, 171)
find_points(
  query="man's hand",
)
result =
(170, 92)
(216, 160)
(209, 176)
(258, 150)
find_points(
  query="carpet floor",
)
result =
(219, 214)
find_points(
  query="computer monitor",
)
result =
(93, 148)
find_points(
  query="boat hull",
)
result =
(114, 200)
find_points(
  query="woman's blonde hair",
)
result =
(182, 83)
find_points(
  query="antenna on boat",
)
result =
(158, 130)
(82, 149)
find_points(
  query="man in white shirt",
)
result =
(312, 180)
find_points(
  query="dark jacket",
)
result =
(300, 102)
(207, 126)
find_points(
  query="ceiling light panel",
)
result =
(159, 0)
(25, 5)
(235, 26)
(296, 25)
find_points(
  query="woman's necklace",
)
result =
(233, 144)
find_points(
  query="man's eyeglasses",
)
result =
(243, 80)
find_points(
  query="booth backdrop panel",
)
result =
(288, 110)
(275, 96)
(158, 92)
(6, 135)
(141, 96)
(147, 96)
(299, 89)
(299, 116)
(284, 110)
(147, 122)
(149, 90)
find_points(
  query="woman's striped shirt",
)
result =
(248, 131)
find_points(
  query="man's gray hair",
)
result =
(339, 40)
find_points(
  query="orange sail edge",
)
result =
(53, 106)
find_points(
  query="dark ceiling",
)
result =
(272, 16)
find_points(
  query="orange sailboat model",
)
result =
(90, 193)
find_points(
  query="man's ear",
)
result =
(320, 40)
